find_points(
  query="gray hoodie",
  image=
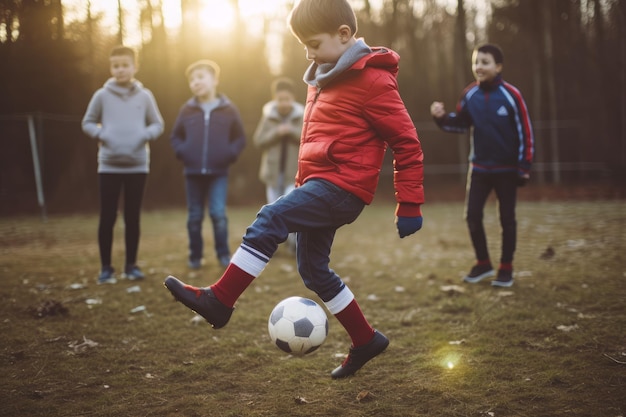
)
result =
(123, 120)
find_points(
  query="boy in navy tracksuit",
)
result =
(501, 155)
(207, 137)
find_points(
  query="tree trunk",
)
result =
(60, 23)
(120, 23)
(621, 16)
(461, 60)
(548, 54)
(90, 45)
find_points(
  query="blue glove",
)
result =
(408, 225)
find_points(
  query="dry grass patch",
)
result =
(552, 345)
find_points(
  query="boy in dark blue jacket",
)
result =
(208, 136)
(501, 154)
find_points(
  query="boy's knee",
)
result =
(474, 222)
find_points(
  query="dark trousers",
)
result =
(111, 187)
(479, 186)
(315, 210)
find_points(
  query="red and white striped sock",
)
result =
(345, 308)
(245, 265)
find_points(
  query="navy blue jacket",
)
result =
(207, 145)
(502, 137)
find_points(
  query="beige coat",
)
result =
(268, 140)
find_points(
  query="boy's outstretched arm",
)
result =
(458, 122)
(437, 109)
(392, 122)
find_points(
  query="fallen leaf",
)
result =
(133, 289)
(76, 286)
(49, 308)
(364, 395)
(300, 400)
(505, 293)
(197, 319)
(565, 328)
(82, 347)
(452, 289)
(548, 253)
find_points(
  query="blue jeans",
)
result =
(200, 189)
(314, 211)
(479, 186)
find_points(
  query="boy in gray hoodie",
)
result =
(123, 117)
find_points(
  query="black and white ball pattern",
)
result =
(298, 325)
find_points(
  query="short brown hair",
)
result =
(206, 64)
(283, 84)
(312, 17)
(123, 51)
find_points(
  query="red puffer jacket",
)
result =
(348, 125)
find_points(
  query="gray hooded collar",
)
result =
(321, 75)
(122, 91)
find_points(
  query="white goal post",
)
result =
(32, 133)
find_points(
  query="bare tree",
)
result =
(8, 19)
(621, 16)
(120, 23)
(548, 54)
(461, 58)
(59, 20)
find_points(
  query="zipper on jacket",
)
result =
(306, 119)
(308, 115)
(205, 145)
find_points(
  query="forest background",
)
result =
(568, 57)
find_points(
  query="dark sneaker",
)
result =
(361, 355)
(133, 273)
(107, 276)
(200, 300)
(504, 278)
(478, 273)
(195, 263)
(224, 260)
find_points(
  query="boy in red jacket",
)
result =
(353, 112)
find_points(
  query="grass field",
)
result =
(552, 345)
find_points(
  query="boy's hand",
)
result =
(408, 225)
(284, 129)
(437, 109)
(522, 180)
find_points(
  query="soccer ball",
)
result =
(298, 325)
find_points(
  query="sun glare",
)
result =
(214, 15)
(217, 15)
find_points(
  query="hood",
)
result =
(357, 57)
(271, 112)
(112, 86)
(223, 102)
(380, 58)
(321, 75)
